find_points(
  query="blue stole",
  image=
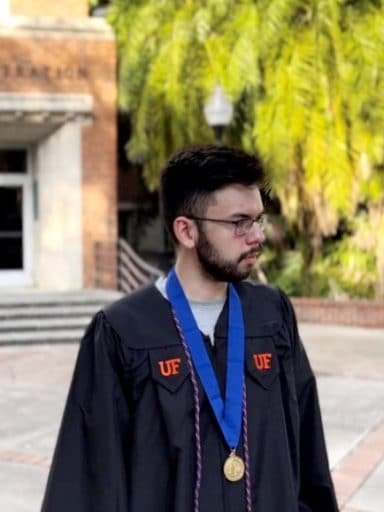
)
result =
(228, 413)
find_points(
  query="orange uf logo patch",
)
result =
(262, 361)
(170, 367)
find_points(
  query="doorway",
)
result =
(15, 219)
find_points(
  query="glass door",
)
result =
(11, 227)
(15, 219)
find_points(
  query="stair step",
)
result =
(52, 336)
(55, 310)
(79, 322)
(35, 299)
(35, 316)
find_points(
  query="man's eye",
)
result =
(245, 223)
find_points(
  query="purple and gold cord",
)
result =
(199, 465)
(248, 494)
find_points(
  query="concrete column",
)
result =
(58, 227)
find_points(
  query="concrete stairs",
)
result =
(32, 316)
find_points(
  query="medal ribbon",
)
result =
(228, 413)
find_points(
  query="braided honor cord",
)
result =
(248, 495)
(199, 465)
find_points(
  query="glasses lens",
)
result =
(243, 226)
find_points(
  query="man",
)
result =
(195, 394)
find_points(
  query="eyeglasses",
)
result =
(242, 226)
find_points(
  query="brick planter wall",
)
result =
(362, 313)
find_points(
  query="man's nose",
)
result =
(255, 234)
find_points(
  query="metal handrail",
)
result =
(133, 271)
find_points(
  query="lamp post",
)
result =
(218, 112)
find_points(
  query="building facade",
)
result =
(58, 170)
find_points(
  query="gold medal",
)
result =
(234, 467)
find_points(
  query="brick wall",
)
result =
(54, 8)
(74, 64)
(362, 313)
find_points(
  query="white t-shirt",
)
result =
(205, 313)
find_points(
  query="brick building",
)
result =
(57, 146)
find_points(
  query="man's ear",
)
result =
(185, 231)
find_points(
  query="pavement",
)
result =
(348, 362)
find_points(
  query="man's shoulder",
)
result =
(253, 292)
(132, 304)
(261, 306)
(138, 318)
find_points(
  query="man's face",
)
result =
(223, 255)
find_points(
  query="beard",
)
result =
(219, 268)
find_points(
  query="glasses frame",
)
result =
(242, 226)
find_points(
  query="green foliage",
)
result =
(344, 268)
(288, 270)
(306, 79)
(350, 271)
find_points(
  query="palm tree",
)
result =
(306, 79)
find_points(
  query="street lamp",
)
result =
(218, 112)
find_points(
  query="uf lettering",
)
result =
(262, 361)
(170, 367)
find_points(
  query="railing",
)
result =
(133, 271)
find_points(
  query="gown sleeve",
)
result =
(316, 487)
(88, 472)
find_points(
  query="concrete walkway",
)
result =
(349, 363)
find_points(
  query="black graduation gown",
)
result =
(127, 444)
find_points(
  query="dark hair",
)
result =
(192, 175)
